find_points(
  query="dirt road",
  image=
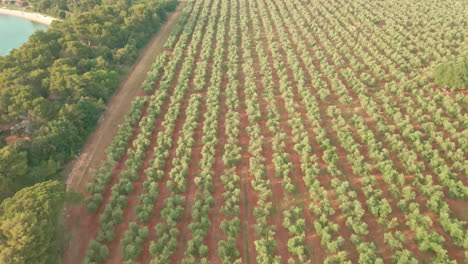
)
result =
(81, 225)
(94, 151)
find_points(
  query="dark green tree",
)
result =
(29, 224)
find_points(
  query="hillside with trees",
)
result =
(54, 88)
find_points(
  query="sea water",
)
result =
(14, 31)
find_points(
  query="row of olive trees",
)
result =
(321, 206)
(280, 157)
(196, 247)
(376, 204)
(103, 175)
(416, 136)
(265, 244)
(167, 231)
(113, 212)
(231, 226)
(293, 219)
(410, 135)
(114, 209)
(155, 173)
(176, 42)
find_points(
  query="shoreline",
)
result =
(31, 16)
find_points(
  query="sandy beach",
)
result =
(35, 17)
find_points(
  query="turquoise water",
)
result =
(14, 31)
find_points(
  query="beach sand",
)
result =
(35, 17)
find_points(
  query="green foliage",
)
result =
(29, 224)
(59, 85)
(96, 253)
(132, 241)
(453, 74)
(13, 168)
(59, 81)
(309, 69)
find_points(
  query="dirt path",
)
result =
(94, 151)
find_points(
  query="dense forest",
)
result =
(29, 226)
(62, 8)
(53, 90)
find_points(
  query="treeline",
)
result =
(53, 90)
(58, 8)
(63, 8)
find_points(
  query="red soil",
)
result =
(192, 191)
(164, 192)
(312, 241)
(453, 252)
(194, 169)
(129, 212)
(245, 242)
(215, 233)
(279, 199)
(84, 225)
(13, 139)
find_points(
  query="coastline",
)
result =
(35, 17)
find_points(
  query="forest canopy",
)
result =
(29, 224)
(54, 88)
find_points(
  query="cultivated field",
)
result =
(291, 131)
